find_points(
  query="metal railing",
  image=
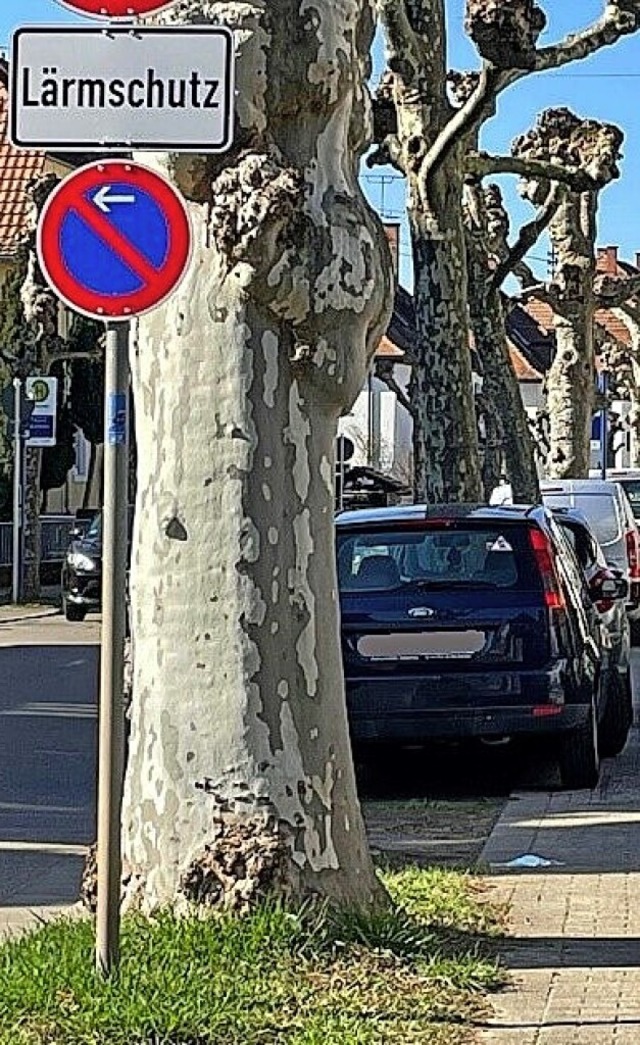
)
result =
(55, 531)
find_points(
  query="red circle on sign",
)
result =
(76, 196)
(116, 8)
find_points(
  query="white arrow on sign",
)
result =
(104, 201)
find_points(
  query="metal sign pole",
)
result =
(604, 422)
(111, 733)
(17, 491)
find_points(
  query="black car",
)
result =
(470, 622)
(82, 571)
(616, 638)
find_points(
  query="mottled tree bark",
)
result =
(445, 441)
(561, 138)
(571, 379)
(508, 440)
(240, 780)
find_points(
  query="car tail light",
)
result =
(542, 550)
(632, 542)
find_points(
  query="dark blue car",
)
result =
(470, 622)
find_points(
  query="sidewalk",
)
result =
(574, 952)
(48, 607)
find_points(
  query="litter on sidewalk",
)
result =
(528, 861)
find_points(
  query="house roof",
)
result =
(401, 332)
(539, 312)
(523, 370)
(531, 343)
(530, 346)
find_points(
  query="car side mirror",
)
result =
(75, 532)
(606, 588)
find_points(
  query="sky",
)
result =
(606, 86)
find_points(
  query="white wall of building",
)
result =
(380, 427)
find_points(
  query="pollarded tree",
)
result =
(507, 439)
(507, 433)
(562, 139)
(239, 775)
(426, 137)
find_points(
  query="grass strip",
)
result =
(417, 972)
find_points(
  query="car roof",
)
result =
(417, 512)
(618, 474)
(573, 515)
(587, 486)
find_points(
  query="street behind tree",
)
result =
(48, 731)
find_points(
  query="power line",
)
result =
(593, 76)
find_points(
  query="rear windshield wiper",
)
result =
(425, 582)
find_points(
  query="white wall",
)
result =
(380, 427)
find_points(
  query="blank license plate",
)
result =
(421, 644)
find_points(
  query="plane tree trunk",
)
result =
(240, 780)
(592, 147)
(508, 442)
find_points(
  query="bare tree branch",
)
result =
(620, 17)
(528, 236)
(464, 120)
(610, 292)
(632, 310)
(483, 164)
(384, 373)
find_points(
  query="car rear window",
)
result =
(491, 557)
(632, 490)
(600, 510)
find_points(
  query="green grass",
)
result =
(414, 973)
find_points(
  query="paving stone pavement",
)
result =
(574, 946)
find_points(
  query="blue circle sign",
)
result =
(114, 239)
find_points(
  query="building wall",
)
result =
(380, 427)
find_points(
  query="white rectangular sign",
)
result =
(120, 88)
(42, 422)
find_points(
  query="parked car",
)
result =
(81, 579)
(608, 512)
(616, 639)
(470, 622)
(629, 479)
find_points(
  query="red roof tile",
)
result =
(522, 368)
(17, 168)
(386, 350)
(614, 326)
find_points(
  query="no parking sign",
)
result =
(116, 8)
(114, 239)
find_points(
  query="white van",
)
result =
(606, 507)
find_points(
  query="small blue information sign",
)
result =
(117, 419)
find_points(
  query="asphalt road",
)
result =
(48, 729)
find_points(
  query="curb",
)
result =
(20, 618)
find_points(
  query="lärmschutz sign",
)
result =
(150, 88)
